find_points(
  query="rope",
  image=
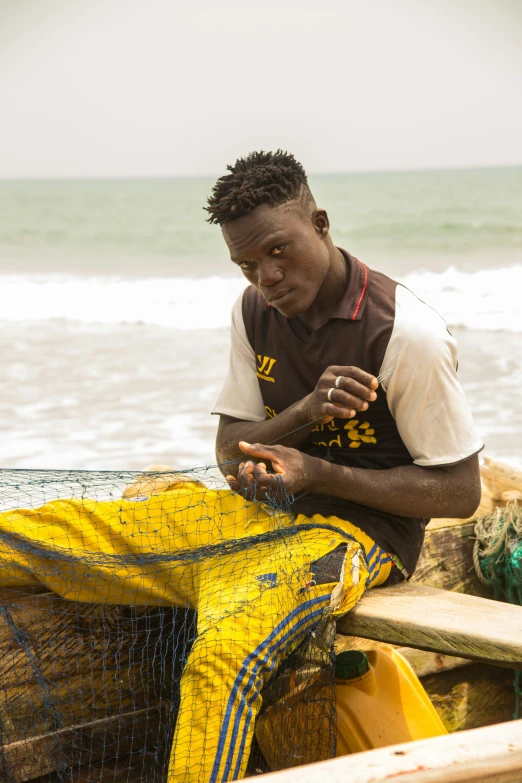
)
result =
(476, 563)
(497, 559)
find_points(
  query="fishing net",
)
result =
(159, 627)
(497, 557)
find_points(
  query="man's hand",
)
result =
(292, 468)
(353, 390)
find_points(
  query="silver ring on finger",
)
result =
(330, 394)
(337, 383)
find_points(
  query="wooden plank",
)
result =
(65, 654)
(439, 621)
(445, 563)
(422, 662)
(81, 698)
(480, 695)
(425, 663)
(438, 522)
(65, 662)
(50, 615)
(446, 560)
(37, 650)
(50, 637)
(486, 755)
(144, 766)
(87, 743)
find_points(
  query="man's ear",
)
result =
(321, 222)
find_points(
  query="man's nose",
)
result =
(269, 273)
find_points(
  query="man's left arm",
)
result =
(409, 490)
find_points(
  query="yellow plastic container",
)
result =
(380, 701)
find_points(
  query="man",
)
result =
(310, 335)
(355, 474)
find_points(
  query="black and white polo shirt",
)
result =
(420, 416)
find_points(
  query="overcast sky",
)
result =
(163, 88)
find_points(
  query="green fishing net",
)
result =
(498, 562)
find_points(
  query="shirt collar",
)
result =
(351, 307)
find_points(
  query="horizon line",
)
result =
(342, 172)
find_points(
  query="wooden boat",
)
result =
(463, 646)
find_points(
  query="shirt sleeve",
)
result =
(240, 396)
(423, 391)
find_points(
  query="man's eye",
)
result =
(278, 250)
(246, 265)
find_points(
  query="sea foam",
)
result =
(486, 299)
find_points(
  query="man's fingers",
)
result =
(349, 401)
(244, 474)
(259, 471)
(246, 470)
(356, 390)
(257, 449)
(253, 480)
(348, 392)
(251, 488)
(355, 373)
(257, 485)
(244, 485)
(332, 411)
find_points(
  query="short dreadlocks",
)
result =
(260, 178)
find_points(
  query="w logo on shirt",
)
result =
(266, 364)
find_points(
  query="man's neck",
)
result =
(330, 293)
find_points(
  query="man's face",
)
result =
(282, 252)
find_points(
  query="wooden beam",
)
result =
(66, 663)
(49, 616)
(486, 755)
(446, 560)
(82, 744)
(39, 708)
(144, 766)
(422, 662)
(479, 695)
(439, 621)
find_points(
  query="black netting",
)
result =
(160, 627)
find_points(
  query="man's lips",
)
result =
(279, 296)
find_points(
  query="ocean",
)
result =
(116, 298)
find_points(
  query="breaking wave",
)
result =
(485, 299)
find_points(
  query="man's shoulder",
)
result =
(408, 310)
(415, 315)
(383, 288)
